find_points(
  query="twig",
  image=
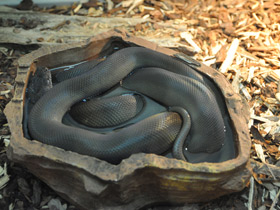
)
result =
(230, 56)
(251, 193)
(274, 201)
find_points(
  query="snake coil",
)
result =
(157, 76)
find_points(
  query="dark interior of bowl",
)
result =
(47, 77)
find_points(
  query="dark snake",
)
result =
(162, 78)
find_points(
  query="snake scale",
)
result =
(192, 116)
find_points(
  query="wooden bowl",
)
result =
(140, 180)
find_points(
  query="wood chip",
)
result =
(230, 56)
(110, 4)
(259, 151)
(189, 39)
(76, 10)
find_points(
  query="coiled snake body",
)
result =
(157, 76)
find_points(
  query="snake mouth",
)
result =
(129, 112)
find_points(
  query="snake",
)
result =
(192, 116)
